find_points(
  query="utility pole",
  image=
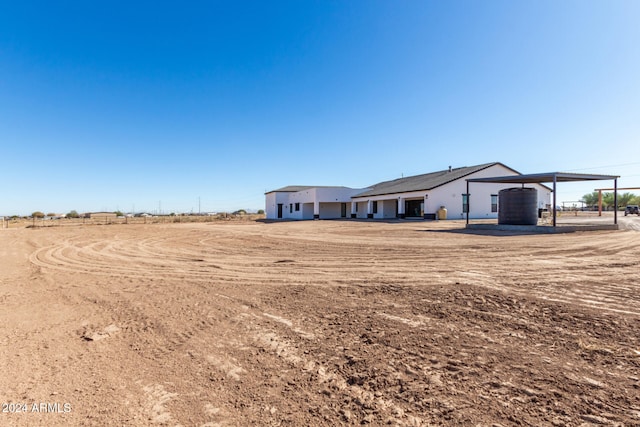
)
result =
(199, 205)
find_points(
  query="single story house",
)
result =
(419, 196)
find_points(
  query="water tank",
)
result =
(442, 213)
(518, 206)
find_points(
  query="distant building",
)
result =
(100, 215)
(418, 196)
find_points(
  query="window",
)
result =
(297, 207)
(375, 207)
(291, 208)
(356, 207)
(465, 203)
(494, 203)
(343, 210)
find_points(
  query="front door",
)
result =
(279, 210)
(413, 208)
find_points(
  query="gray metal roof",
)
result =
(429, 181)
(426, 181)
(537, 178)
(296, 188)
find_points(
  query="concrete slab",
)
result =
(543, 229)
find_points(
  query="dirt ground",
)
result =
(318, 323)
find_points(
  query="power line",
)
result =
(602, 167)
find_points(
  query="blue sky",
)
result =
(156, 105)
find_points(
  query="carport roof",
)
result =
(554, 177)
(537, 178)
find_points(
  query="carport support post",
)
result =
(369, 209)
(401, 213)
(468, 203)
(353, 210)
(554, 199)
(615, 201)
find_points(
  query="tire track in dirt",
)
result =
(261, 325)
(176, 344)
(180, 257)
(455, 338)
(320, 373)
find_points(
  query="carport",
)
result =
(549, 177)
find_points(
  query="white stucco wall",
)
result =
(329, 201)
(302, 197)
(326, 201)
(386, 209)
(450, 196)
(361, 211)
(307, 211)
(329, 210)
(271, 204)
